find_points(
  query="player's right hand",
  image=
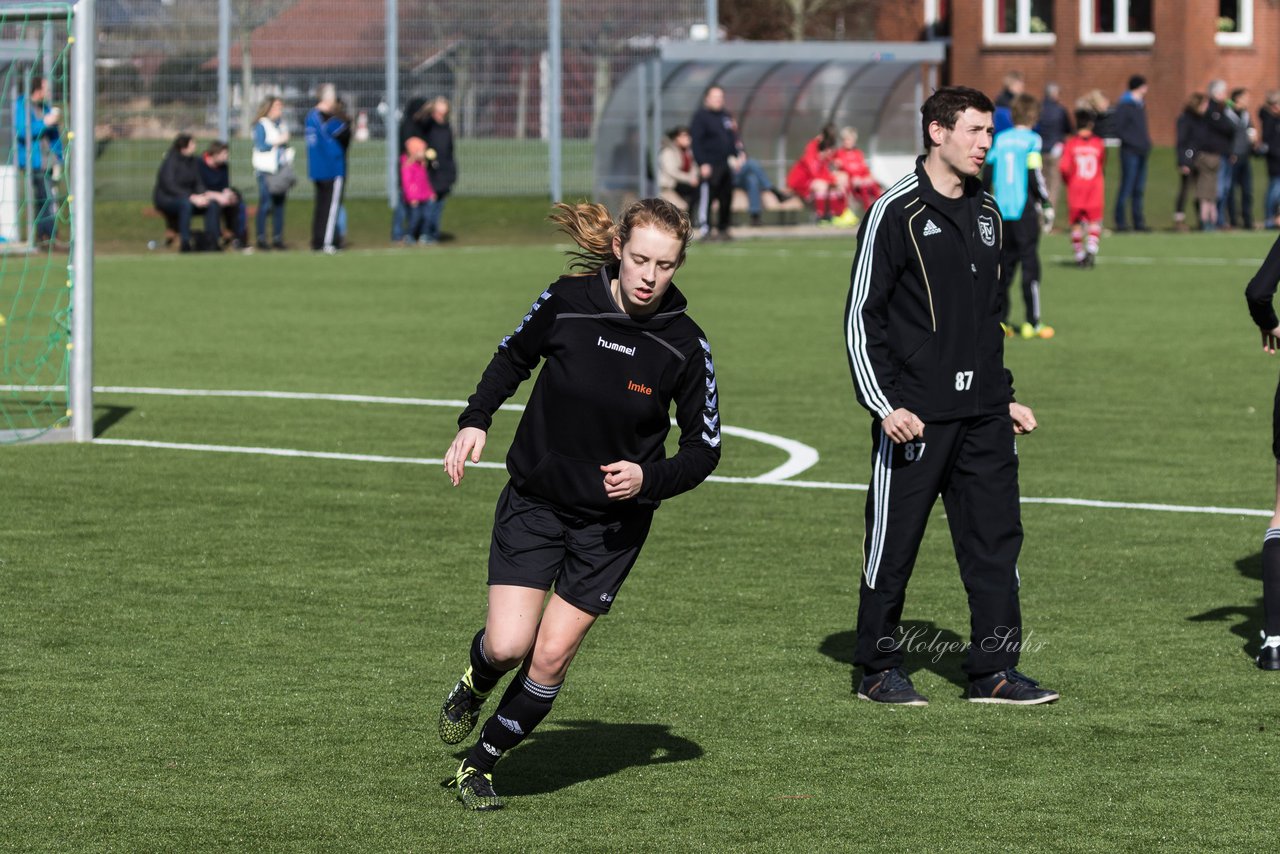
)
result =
(468, 442)
(902, 425)
(1271, 340)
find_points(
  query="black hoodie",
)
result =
(603, 395)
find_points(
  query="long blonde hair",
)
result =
(593, 229)
(266, 108)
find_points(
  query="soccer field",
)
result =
(207, 646)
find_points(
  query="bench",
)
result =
(171, 222)
(784, 211)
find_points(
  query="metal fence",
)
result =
(158, 75)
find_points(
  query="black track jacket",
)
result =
(1261, 290)
(922, 324)
(603, 395)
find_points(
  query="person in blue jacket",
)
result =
(37, 120)
(326, 133)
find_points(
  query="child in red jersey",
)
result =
(812, 179)
(860, 186)
(1083, 157)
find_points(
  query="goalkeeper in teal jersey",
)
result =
(1018, 186)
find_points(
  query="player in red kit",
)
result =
(1081, 164)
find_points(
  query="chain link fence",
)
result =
(158, 76)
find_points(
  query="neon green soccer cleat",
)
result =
(460, 711)
(475, 790)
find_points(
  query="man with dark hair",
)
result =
(1129, 124)
(922, 331)
(715, 147)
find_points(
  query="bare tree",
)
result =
(247, 16)
(797, 20)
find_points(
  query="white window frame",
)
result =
(1243, 36)
(1023, 37)
(932, 15)
(1120, 38)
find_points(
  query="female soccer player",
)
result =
(587, 463)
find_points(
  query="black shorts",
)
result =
(538, 545)
(1275, 426)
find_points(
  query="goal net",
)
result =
(40, 266)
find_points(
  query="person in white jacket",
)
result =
(677, 170)
(272, 165)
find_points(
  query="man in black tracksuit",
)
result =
(925, 346)
(715, 144)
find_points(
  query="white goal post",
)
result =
(66, 411)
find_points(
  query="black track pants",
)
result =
(973, 465)
(1022, 247)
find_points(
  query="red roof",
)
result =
(326, 34)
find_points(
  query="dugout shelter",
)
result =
(780, 93)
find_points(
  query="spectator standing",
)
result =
(1083, 158)
(326, 167)
(1217, 131)
(715, 145)
(415, 112)
(1130, 127)
(1099, 105)
(1240, 182)
(442, 166)
(415, 190)
(180, 192)
(215, 174)
(1013, 85)
(1054, 127)
(1188, 133)
(1269, 124)
(37, 120)
(272, 156)
(342, 116)
(677, 170)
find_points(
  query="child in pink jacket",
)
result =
(417, 191)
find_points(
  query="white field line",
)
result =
(800, 456)
(1103, 258)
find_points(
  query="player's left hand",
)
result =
(1271, 340)
(622, 480)
(1024, 420)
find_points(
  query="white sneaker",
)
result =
(1269, 656)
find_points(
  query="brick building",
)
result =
(1179, 45)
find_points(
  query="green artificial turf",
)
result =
(211, 651)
